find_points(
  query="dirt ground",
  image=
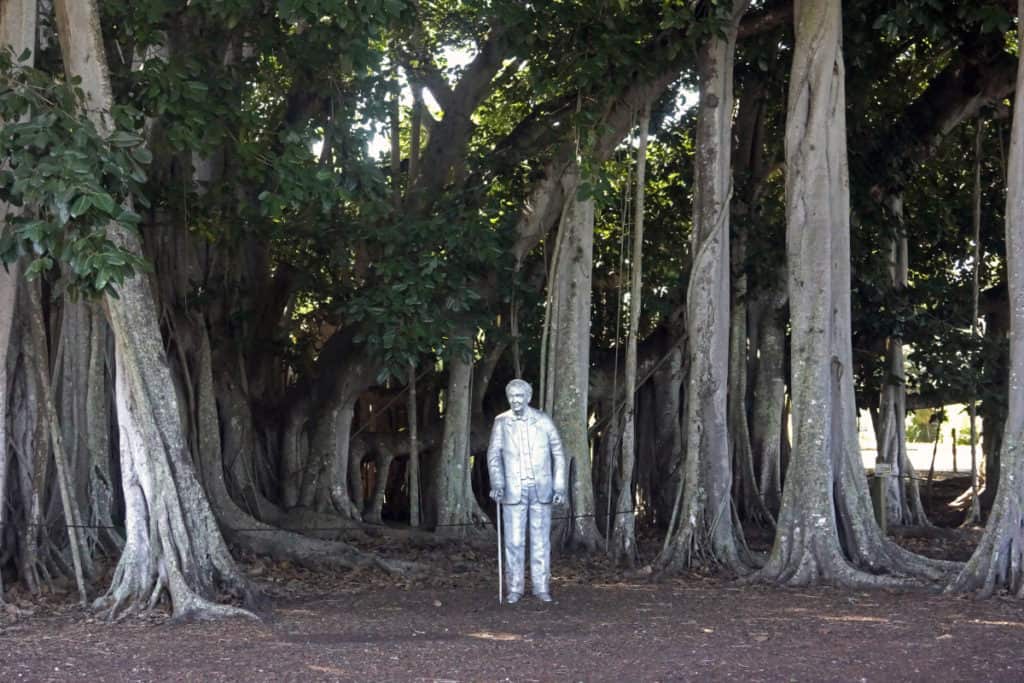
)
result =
(604, 626)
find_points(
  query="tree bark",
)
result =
(395, 113)
(623, 548)
(747, 309)
(974, 510)
(668, 445)
(770, 397)
(82, 395)
(903, 495)
(173, 542)
(98, 442)
(329, 476)
(337, 451)
(825, 489)
(17, 31)
(413, 470)
(998, 561)
(382, 470)
(457, 509)
(8, 299)
(750, 503)
(707, 533)
(29, 441)
(416, 124)
(38, 358)
(215, 415)
(568, 376)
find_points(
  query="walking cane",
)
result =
(500, 560)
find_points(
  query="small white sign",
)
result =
(883, 469)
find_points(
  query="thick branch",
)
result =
(955, 94)
(768, 18)
(450, 138)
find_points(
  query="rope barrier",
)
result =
(364, 525)
(269, 527)
(907, 476)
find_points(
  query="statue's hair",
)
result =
(522, 384)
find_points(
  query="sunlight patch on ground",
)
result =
(487, 635)
(625, 586)
(857, 618)
(985, 622)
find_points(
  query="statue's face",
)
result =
(517, 400)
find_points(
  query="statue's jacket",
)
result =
(509, 456)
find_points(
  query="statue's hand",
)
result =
(497, 494)
(558, 498)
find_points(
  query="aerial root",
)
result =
(195, 608)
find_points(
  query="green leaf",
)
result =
(129, 217)
(38, 267)
(122, 138)
(104, 202)
(33, 231)
(102, 278)
(137, 174)
(82, 204)
(142, 155)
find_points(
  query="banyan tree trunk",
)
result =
(903, 496)
(82, 393)
(707, 532)
(38, 359)
(770, 400)
(998, 561)
(17, 32)
(568, 366)
(8, 299)
(825, 488)
(749, 501)
(668, 446)
(622, 547)
(25, 489)
(457, 510)
(413, 469)
(316, 468)
(216, 415)
(173, 544)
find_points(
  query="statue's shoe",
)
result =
(544, 597)
(513, 598)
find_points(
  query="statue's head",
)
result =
(519, 392)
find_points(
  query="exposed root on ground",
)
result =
(317, 553)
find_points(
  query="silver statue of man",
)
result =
(528, 475)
